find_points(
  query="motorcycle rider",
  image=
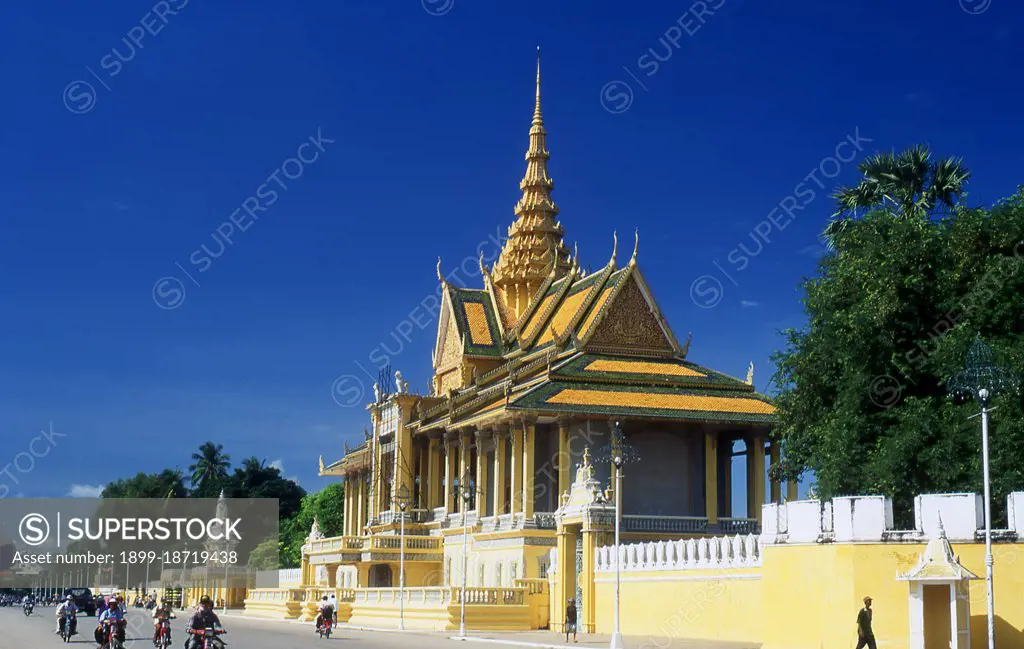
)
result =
(163, 612)
(66, 608)
(325, 612)
(113, 615)
(203, 618)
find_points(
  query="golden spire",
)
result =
(534, 248)
(636, 247)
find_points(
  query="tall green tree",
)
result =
(254, 479)
(167, 483)
(910, 184)
(862, 397)
(327, 506)
(209, 468)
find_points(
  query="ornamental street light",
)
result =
(981, 379)
(464, 490)
(617, 452)
(402, 499)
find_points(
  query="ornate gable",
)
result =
(632, 323)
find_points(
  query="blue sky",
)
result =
(418, 114)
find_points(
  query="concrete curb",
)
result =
(517, 643)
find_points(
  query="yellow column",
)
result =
(349, 509)
(773, 451)
(564, 460)
(361, 504)
(755, 475)
(376, 485)
(481, 475)
(464, 468)
(586, 577)
(449, 474)
(791, 490)
(726, 445)
(517, 467)
(529, 480)
(500, 475)
(564, 587)
(433, 475)
(405, 465)
(711, 476)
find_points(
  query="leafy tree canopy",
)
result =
(863, 398)
(327, 506)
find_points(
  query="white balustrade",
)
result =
(693, 554)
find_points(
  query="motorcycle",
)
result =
(163, 639)
(27, 608)
(208, 637)
(325, 628)
(110, 636)
(65, 628)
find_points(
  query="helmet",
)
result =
(70, 598)
(325, 598)
(206, 601)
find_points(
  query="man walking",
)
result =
(865, 636)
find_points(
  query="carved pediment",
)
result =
(630, 323)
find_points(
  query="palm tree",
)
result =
(211, 462)
(910, 184)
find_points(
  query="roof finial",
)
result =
(440, 277)
(615, 248)
(483, 268)
(636, 247)
(537, 119)
(750, 374)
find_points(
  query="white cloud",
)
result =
(85, 491)
(277, 464)
(747, 304)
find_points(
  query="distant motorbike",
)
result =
(325, 628)
(27, 608)
(65, 627)
(163, 639)
(208, 637)
(110, 639)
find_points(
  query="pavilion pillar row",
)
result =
(500, 471)
(350, 505)
(482, 443)
(517, 467)
(711, 462)
(449, 473)
(776, 486)
(433, 486)
(564, 459)
(361, 504)
(465, 437)
(755, 475)
(529, 479)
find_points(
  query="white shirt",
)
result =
(66, 607)
(325, 604)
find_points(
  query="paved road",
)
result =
(36, 632)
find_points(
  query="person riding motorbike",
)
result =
(28, 603)
(202, 619)
(325, 611)
(161, 613)
(113, 615)
(67, 608)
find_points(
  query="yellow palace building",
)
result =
(491, 496)
(530, 369)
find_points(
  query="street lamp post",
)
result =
(981, 379)
(616, 641)
(464, 491)
(402, 499)
(617, 452)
